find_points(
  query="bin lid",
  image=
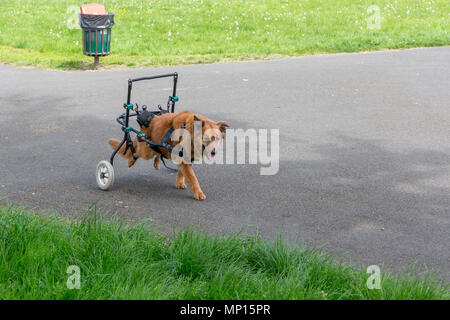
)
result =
(93, 8)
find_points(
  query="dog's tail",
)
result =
(114, 143)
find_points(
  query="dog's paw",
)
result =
(199, 196)
(131, 162)
(157, 163)
(181, 185)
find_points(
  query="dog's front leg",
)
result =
(188, 173)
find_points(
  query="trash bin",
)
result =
(96, 24)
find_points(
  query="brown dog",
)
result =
(212, 134)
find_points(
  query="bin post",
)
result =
(96, 62)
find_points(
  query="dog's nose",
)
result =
(213, 152)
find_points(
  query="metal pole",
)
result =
(96, 62)
(174, 93)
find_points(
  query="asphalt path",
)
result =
(364, 151)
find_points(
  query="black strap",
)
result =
(165, 143)
(130, 146)
(165, 165)
(165, 139)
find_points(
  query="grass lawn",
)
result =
(168, 32)
(119, 261)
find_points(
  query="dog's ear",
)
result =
(223, 126)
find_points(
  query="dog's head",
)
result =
(212, 135)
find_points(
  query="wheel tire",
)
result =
(104, 175)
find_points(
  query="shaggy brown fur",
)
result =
(158, 128)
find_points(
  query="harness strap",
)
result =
(165, 165)
(165, 142)
(130, 146)
(165, 139)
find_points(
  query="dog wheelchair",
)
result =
(105, 169)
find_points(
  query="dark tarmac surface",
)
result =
(364, 150)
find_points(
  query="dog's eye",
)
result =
(206, 138)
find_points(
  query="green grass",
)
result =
(168, 32)
(119, 261)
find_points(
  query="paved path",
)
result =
(365, 150)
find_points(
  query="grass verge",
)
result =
(152, 33)
(119, 261)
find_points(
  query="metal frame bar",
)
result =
(96, 42)
(90, 42)
(124, 118)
